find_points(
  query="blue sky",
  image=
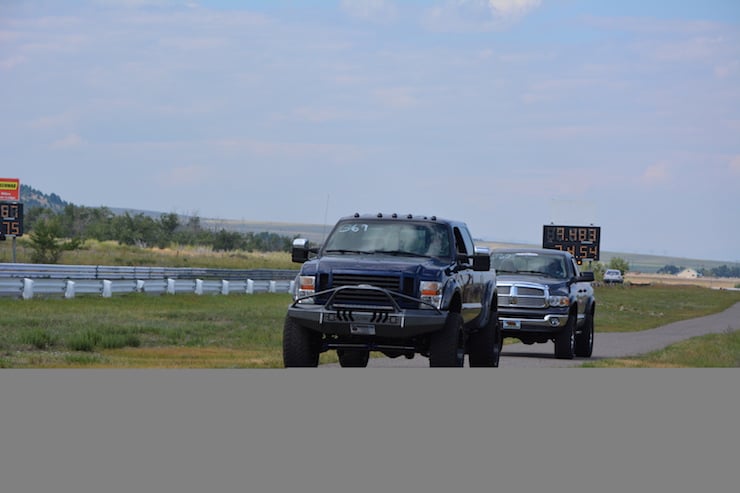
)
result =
(507, 114)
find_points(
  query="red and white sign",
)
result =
(10, 189)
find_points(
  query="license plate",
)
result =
(512, 324)
(362, 329)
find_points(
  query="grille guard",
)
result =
(390, 295)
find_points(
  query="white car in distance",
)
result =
(613, 276)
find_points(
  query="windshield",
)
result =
(530, 263)
(392, 237)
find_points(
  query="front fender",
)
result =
(490, 300)
(451, 296)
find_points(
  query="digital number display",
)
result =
(580, 241)
(11, 214)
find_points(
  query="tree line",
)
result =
(721, 271)
(53, 232)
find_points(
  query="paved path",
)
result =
(606, 345)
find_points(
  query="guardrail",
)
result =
(26, 281)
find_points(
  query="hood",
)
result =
(552, 283)
(378, 264)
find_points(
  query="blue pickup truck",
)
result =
(400, 285)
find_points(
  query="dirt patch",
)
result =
(706, 282)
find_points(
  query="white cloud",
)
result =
(381, 11)
(656, 174)
(513, 9)
(396, 97)
(184, 176)
(69, 142)
(477, 15)
(52, 121)
(312, 115)
(11, 62)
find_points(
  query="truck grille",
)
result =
(522, 296)
(363, 297)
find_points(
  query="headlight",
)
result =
(431, 292)
(558, 301)
(305, 286)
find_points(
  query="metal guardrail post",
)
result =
(27, 288)
(69, 289)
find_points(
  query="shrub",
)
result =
(40, 339)
(84, 341)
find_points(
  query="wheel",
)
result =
(565, 340)
(447, 346)
(485, 345)
(349, 358)
(300, 345)
(584, 344)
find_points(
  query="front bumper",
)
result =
(387, 320)
(536, 322)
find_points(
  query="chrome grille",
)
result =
(522, 296)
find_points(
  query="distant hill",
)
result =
(30, 197)
(317, 232)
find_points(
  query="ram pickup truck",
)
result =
(400, 285)
(543, 296)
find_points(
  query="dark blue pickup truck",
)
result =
(400, 285)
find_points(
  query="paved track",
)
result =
(606, 345)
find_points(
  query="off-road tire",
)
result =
(301, 346)
(485, 344)
(565, 340)
(349, 358)
(447, 346)
(584, 344)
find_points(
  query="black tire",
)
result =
(447, 347)
(565, 341)
(301, 346)
(485, 345)
(349, 358)
(584, 344)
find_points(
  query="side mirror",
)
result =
(300, 250)
(586, 277)
(482, 259)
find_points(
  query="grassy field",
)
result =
(111, 253)
(245, 331)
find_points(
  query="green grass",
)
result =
(632, 308)
(709, 351)
(245, 331)
(139, 330)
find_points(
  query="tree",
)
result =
(598, 269)
(224, 241)
(45, 242)
(669, 269)
(619, 264)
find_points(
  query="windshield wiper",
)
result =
(339, 250)
(401, 253)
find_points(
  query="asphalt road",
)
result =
(606, 345)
